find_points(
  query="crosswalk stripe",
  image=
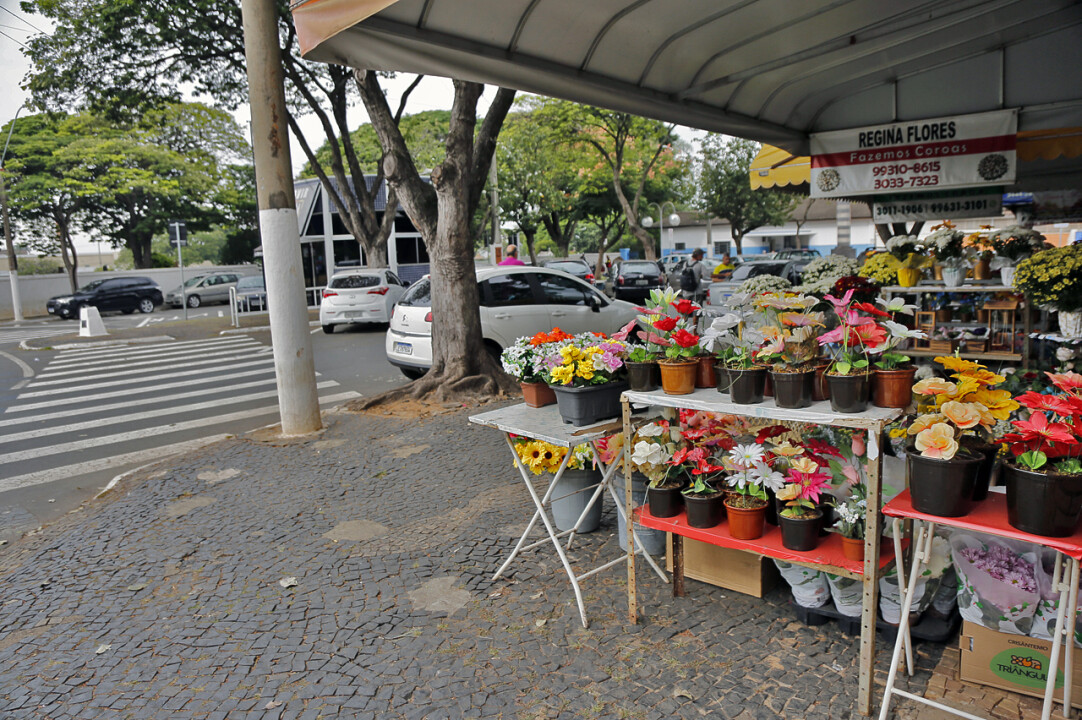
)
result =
(116, 461)
(88, 373)
(69, 357)
(148, 378)
(129, 391)
(151, 351)
(148, 414)
(15, 336)
(98, 409)
(143, 433)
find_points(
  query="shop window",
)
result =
(410, 251)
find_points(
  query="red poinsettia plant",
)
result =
(680, 343)
(1052, 435)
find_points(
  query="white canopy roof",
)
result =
(770, 70)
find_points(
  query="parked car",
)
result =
(573, 266)
(126, 294)
(673, 265)
(251, 294)
(634, 279)
(794, 254)
(359, 296)
(203, 289)
(719, 290)
(515, 301)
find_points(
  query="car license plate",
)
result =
(642, 282)
(354, 314)
(403, 348)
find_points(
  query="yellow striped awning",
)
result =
(774, 167)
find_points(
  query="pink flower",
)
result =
(840, 304)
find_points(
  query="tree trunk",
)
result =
(738, 240)
(530, 235)
(68, 256)
(140, 251)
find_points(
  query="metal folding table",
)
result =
(545, 424)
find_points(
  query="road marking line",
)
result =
(68, 413)
(223, 363)
(87, 373)
(142, 456)
(146, 415)
(144, 323)
(268, 373)
(148, 378)
(27, 370)
(146, 432)
(313, 332)
(243, 344)
(71, 356)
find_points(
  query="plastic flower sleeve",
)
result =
(848, 595)
(810, 589)
(996, 582)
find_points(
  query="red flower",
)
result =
(684, 307)
(1037, 401)
(665, 324)
(1038, 428)
(818, 447)
(1068, 382)
(871, 335)
(770, 432)
(685, 339)
(871, 309)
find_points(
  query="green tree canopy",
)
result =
(425, 134)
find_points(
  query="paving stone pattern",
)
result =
(164, 600)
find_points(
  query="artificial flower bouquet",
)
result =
(947, 244)
(789, 330)
(652, 451)
(1051, 437)
(749, 474)
(681, 345)
(804, 483)
(852, 514)
(857, 331)
(583, 360)
(541, 457)
(522, 359)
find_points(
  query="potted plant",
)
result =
(852, 514)
(746, 500)
(799, 521)
(679, 364)
(1011, 245)
(718, 340)
(521, 360)
(703, 500)
(908, 251)
(948, 248)
(736, 337)
(1053, 279)
(1044, 474)
(652, 448)
(791, 348)
(892, 381)
(848, 373)
(573, 494)
(587, 373)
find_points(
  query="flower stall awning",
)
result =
(777, 168)
(768, 70)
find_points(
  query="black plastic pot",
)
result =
(643, 376)
(747, 385)
(793, 390)
(1047, 504)
(942, 487)
(721, 372)
(987, 453)
(665, 502)
(800, 534)
(849, 393)
(705, 511)
(587, 405)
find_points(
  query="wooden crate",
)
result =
(737, 570)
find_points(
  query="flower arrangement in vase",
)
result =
(948, 249)
(799, 521)
(571, 498)
(791, 347)
(746, 503)
(1053, 279)
(1011, 245)
(522, 361)
(1044, 474)
(909, 252)
(952, 435)
(587, 374)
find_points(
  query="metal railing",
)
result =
(257, 299)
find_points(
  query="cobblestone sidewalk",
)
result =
(349, 575)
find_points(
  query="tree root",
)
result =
(444, 387)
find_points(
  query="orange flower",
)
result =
(923, 422)
(958, 364)
(964, 415)
(999, 402)
(937, 442)
(934, 386)
(984, 377)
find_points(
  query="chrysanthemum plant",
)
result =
(947, 244)
(908, 250)
(1051, 438)
(968, 407)
(789, 330)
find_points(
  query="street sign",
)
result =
(178, 234)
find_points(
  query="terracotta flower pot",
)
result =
(678, 378)
(643, 376)
(537, 394)
(908, 277)
(705, 377)
(893, 388)
(746, 523)
(853, 548)
(1046, 504)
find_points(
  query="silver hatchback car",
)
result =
(203, 289)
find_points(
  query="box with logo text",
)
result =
(1014, 662)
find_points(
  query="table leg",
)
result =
(899, 562)
(873, 537)
(1068, 595)
(632, 594)
(1068, 655)
(637, 540)
(677, 565)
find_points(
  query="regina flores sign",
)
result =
(965, 151)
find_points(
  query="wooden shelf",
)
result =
(1007, 357)
(898, 289)
(827, 556)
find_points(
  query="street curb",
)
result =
(116, 480)
(103, 344)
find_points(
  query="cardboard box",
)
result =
(1014, 662)
(737, 570)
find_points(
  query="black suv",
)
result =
(126, 294)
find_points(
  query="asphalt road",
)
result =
(72, 419)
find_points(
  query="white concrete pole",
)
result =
(9, 244)
(298, 401)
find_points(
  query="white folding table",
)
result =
(545, 424)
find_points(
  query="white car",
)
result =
(364, 295)
(515, 301)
